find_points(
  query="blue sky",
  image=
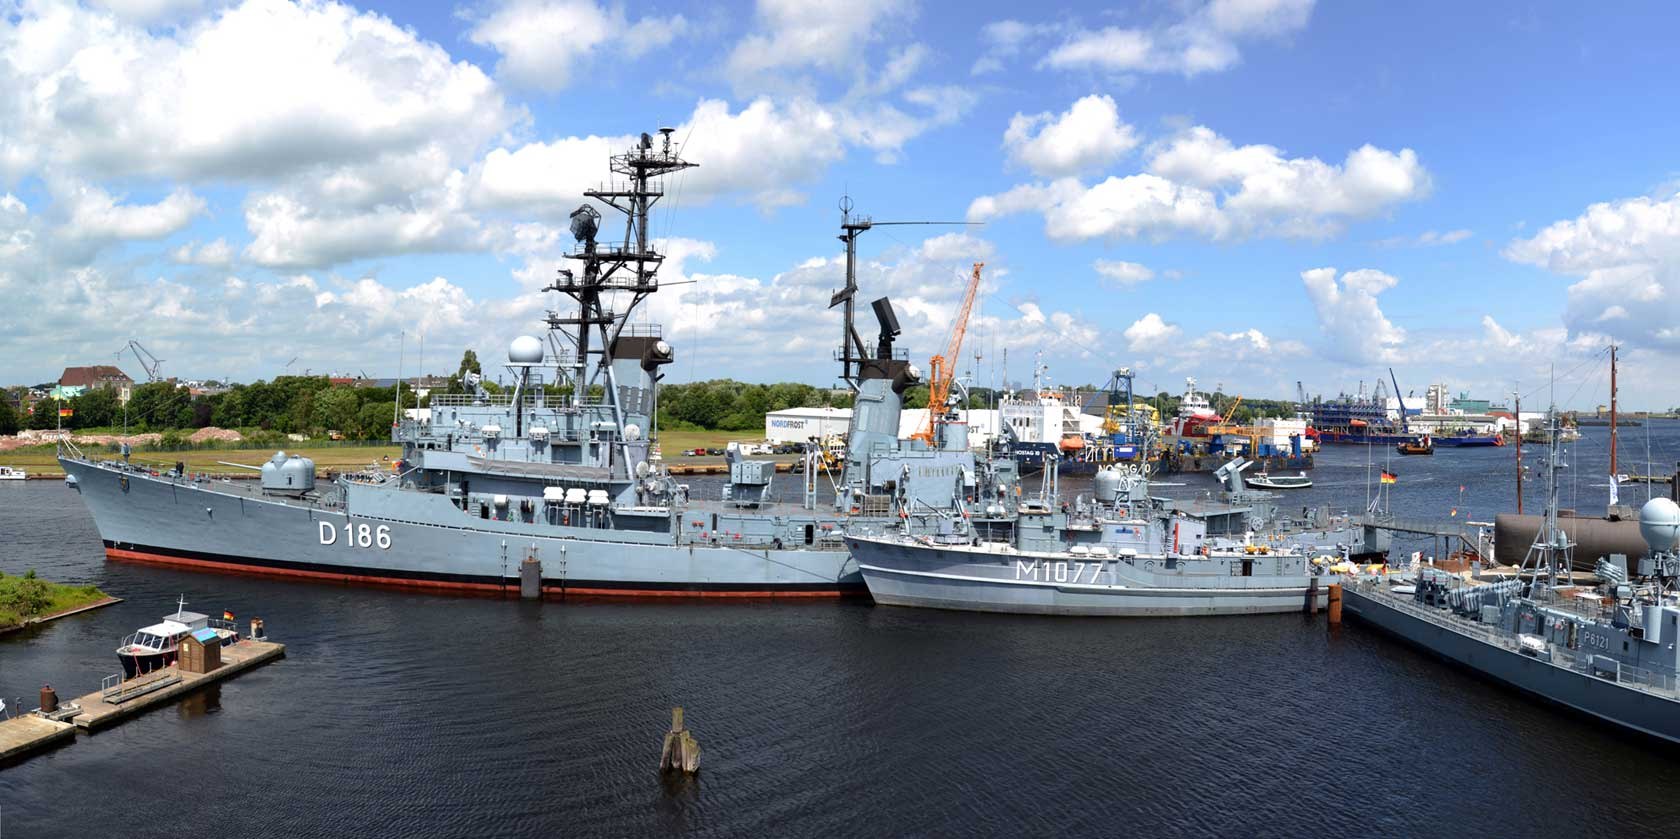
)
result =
(1251, 192)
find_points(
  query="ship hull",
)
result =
(1624, 707)
(930, 577)
(200, 527)
(135, 665)
(1470, 441)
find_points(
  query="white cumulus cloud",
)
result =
(1625, 256)
(1206, 39)
(1202, 184)
(542, 42)
(1123, 273)
(1351, 318)
(1088, 135)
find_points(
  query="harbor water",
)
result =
(405, 714)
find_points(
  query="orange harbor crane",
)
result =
(943, 369)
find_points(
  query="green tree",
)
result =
(160, 405)
(8, 415)
(373, 421)
(335, 408)
(300, 411)
(45, 415)
(916, 397)
(95, 408)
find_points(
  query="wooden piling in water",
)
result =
(681, 752)
(1335, 610)
(1311, 606)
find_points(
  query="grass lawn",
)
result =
(22, 598)
(43, 459)
(673, 442)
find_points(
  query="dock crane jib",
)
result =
(944, 365)
(148, 362)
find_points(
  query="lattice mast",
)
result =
(631, 265)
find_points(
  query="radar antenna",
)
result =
(852, 352)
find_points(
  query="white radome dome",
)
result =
(1659, 523)
(525, 350)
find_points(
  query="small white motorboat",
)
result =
(159, 645)
(7, 473)
(1261, 480)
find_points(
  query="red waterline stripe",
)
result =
(448, 585)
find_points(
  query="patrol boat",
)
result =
(1122, 553)
(557, 487)
(1611, 651)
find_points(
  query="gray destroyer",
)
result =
(557, 485)
(1611, 651)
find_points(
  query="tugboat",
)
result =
(1421, 444)
(157, 646)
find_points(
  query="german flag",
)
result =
(66, 412)
(227, 615)
(1389, 477)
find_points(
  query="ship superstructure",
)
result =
(560, 475)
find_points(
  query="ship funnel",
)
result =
(1659, 524)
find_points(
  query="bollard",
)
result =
(681, 753)
(49, 699)
(1335, 604)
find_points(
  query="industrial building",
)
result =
(796, 425)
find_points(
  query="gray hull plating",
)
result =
(1646, 711)
(975, 580)
(391, 536)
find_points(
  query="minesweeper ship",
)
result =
(1120, 553)
(1611, 651)
(566, 477)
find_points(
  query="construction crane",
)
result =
(148, 362)
(1226, 420)
(944, 366)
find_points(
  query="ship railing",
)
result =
(1627, 675)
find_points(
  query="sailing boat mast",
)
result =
(1613, 432)
(1517, 396)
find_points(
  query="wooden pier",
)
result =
(26, 734)
(126, 699)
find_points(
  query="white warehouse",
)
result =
(796, 425)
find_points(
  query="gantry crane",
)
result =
(944, 365)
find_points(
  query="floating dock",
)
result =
(126, 699)
(26, 734)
